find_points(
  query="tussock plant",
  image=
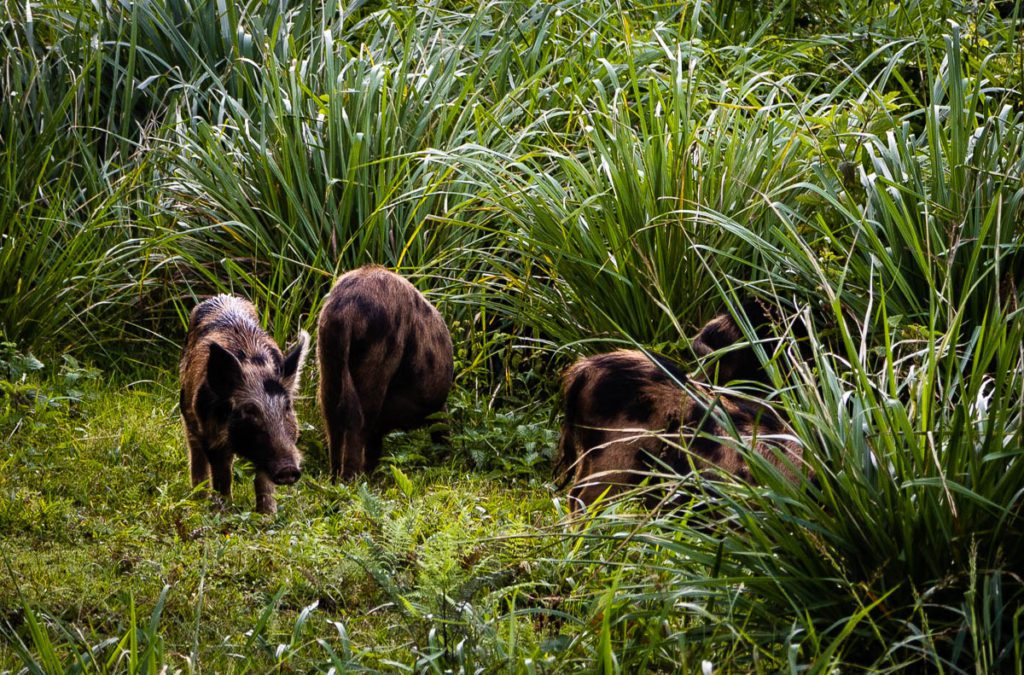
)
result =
(329, 170)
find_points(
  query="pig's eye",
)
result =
(249, 410)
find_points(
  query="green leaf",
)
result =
(403, 482)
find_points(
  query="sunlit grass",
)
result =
(99, 518)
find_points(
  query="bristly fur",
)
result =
(386, 362)
(628, 413)
(236, 398)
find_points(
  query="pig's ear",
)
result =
(291, 367)
(223, 371)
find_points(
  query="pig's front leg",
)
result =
(265, 502)
(220, 468)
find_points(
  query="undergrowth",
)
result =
(112, 564)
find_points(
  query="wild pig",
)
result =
(236, 398)
(385, 359)
(627, 414)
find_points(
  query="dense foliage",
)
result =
(558, 177)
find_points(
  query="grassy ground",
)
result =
(415, 561)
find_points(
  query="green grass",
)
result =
(559, 178)
(101, 527)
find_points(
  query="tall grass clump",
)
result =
(923, 210)
(614, 202)
(613, 226)
(70, 180)
(900, 553)
(328, 168)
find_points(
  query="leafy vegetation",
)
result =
(559, 178)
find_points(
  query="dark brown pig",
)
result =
(385, 359)
(236, 398)
(628, 414)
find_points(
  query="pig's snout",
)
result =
(286, 475)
